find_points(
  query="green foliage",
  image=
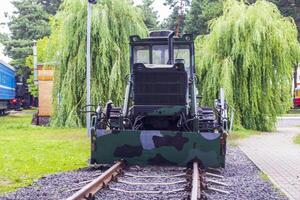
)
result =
(43, 51)
(44, 54)
(171, 22)
(250, 52)
(176, 3)
(264, 177)
(18, 50)
(32, 88)
(29, 22)
(290, 8)
(50, 6)
(113, 21)
(200, 13)
(149, 14)
(297, 139)
(29, 152)
(240, 133)
(175, 18)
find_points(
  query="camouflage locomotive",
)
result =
(160, 122)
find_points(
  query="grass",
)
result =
(294, 111)
(28, 152)
(297, 139)
(264, 176)
(241, 134)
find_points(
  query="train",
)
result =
(23, 98)
(14, 92)
(160, 122)
(7, 86)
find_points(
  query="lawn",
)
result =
(294, 111)
(241, 134)
(297, 139)
(28, 152)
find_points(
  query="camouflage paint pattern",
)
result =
(149, 147)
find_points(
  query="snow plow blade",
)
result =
(144, 147)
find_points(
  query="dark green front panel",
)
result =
(156, 147)
(167, 111)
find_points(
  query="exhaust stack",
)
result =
(171, 49)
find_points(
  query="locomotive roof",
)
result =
(156, 37)
(7, 65)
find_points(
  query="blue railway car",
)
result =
(7, 85)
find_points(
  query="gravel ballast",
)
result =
(148, 171)
(55, 186)
(244, 179)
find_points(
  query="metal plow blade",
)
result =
(156, 148)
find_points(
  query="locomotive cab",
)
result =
(161, 67)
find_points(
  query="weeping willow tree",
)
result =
(113, 21)
(250, 52)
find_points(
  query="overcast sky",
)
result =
(7, 7)
(158, 5)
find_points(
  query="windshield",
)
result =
(160, 54)
(142, 54)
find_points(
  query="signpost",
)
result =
(35, 63)
(88, 66)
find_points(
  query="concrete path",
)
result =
(277, 156)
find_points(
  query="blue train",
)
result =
(7, 85)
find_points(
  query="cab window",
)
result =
(160, 54)
(182, 53)
(142, 54)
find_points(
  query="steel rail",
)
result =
(98, 183)
(196, 190)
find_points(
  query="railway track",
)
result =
(165, 182)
